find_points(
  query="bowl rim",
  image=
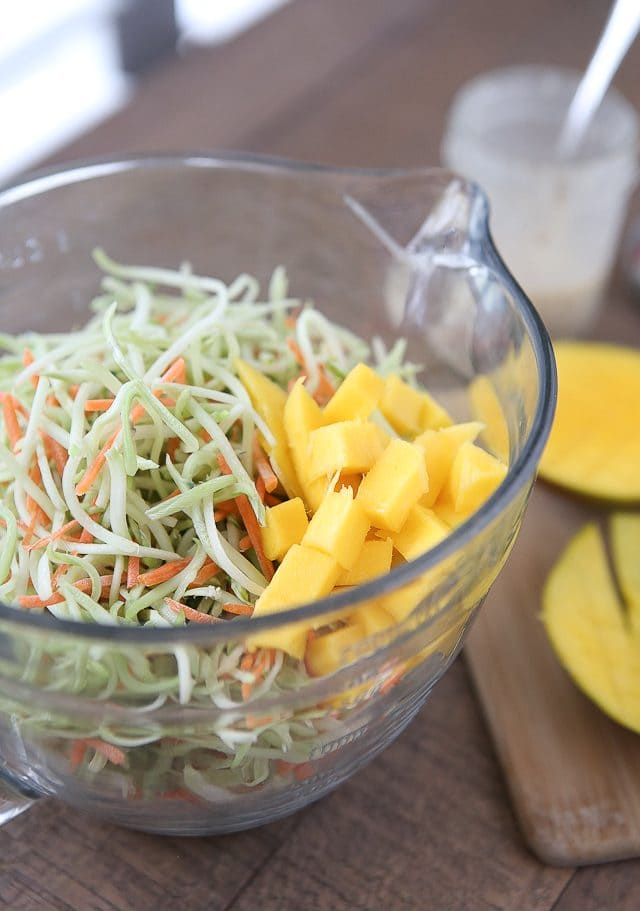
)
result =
(518, 474)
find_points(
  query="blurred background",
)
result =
(65, 65)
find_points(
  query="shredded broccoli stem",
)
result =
(109, 437)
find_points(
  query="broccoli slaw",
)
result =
(133, 484)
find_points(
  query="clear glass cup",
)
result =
(557, 223)
(388, 253)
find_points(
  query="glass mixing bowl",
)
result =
(390, 253)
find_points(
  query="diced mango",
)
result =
(373, 560)
(357, 396)
(395, 483)
(301, 417)
(421, 531)
(402, 602)
(487, 408)
(434, 416)
(474, 476)
(338, 528)
(285, 526)
(350, 446)
(326, 654)
(304, 575)
(410, 411)
(373, 618)
(440, 448)
(269, 401)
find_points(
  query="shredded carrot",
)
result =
(204, 435)
(246, 689)
(257, 721)
(225, 509)
(205, 574)
(250, 523)
(73, 390)
(52, 401)
(263, 467)
(27, 360)
(86, 537)
(325, 387)
(133, 571)
(54, 536)
(233, 607)
(31, 527)
(391, 681)
(56, 452)
(190, 613)
(83, 585)
(163, 573)
(303, 770)
(61, 570)
(10, 419)
(78, 749)
(173, 374)
(172, 445)
(98, 404)
(111, 752)
(244, 544)
(180, 794)
(261, 488)
(247, 660)
(270, 500)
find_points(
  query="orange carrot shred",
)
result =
(246, 689)
(244, 544)
(133, 571)
(261, 488)
(78, 749)
(247, 660)
(234, 607)
(173, 374)
(55, 452)
(54, 536)
(163, 573)
(263, 467)
(98, 404)
(270, 500)
(111, 752)
(31, 527)
(10, 419)
(27, 360)
(172, 445)
(83, 585)
(250, 523)
(191, 613)
(205, 573)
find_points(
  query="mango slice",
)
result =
(395, 483)
(301, 417)
(338, 528)
(304, 575)
(408, 411)
(440, 448)
(349, 446)
(594, 445)
(325, 654)
(285, 526)
(589, 628)
(373, 560)
(357, 396)
(269, 401)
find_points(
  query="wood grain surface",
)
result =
(428, 825)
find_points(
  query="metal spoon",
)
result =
(620, 31)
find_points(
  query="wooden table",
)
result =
(428, 824)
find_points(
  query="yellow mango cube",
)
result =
(304, 575)
(440, 448)
(302, 416)
(338, 528)
(421, 531)
(349, 446)
(285, 526)
(373, 560)
(326, 654)
(395, 483)
(474, 476)
(400, 604)
(357, 396)
(433, 415)
(269, 400)
(373, 618)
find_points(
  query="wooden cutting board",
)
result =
(574, 775)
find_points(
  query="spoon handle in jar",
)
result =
(619, 33)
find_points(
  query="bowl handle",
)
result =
(15, 797)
